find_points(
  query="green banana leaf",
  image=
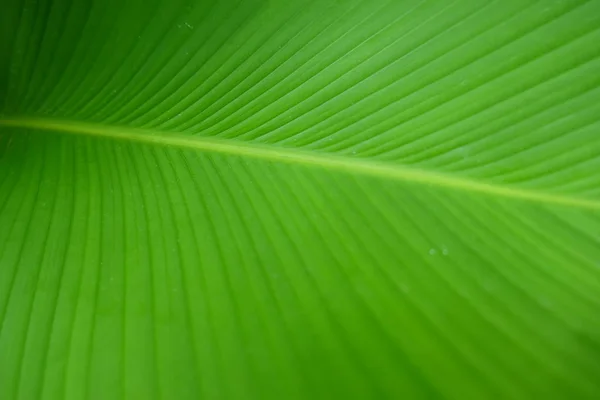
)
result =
(297, 199)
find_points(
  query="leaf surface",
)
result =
(300, 199)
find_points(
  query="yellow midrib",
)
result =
(295, 156)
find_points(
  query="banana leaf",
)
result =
(297, 199)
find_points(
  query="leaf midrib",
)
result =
(302, 157)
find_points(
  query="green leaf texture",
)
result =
(299, 199)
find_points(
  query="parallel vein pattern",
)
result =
(492, 90)
(167, 273)
(299, 199)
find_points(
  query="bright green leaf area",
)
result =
(296, 199)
